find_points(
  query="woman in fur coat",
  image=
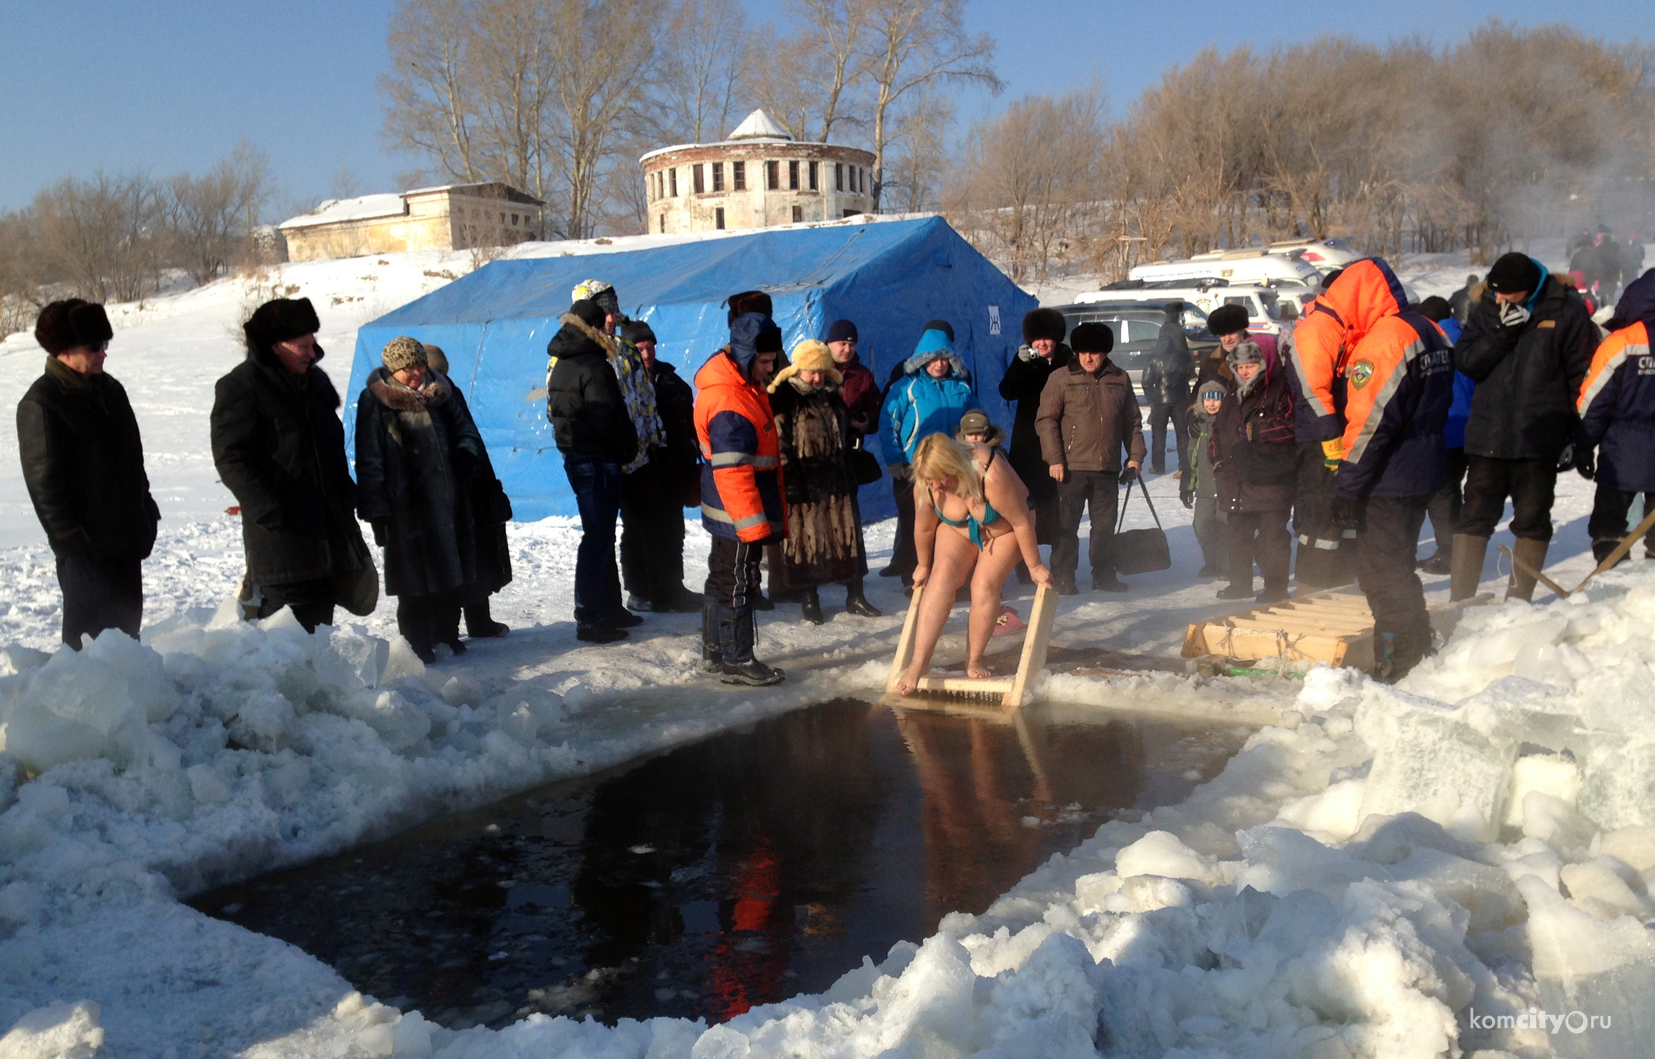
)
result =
(416, 456)
(824, 525)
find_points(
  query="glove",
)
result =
(1129, 475)
(1027, 354)
(1332, 453)
(899, 471)
(1342, 513)
(1586, 463)
(1566, 458)
(1187, 499)
(1512, 315)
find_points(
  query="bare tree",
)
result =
(211, 217)
(921, 160)
(783, 74)
(429, 91)
(911, 43)
(700, 80)
(105, 236)
(836, 30)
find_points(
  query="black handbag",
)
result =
(1141, 551)
(864, 467)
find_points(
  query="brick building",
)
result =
(451, 217)
(759, 177)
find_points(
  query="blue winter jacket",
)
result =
(919, 405)
(1459, 413)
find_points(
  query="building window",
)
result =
(738, 175)
(798, 214)
(514, 220)
(813, 176)
(851, 213)
(700, 180)
(718, 218)
(772, 176)
(793, 176)
(718, 176)
(838, 176)
(663, 224)
(672, 181)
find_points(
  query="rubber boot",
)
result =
(1533, 555)
(736, 635)
(1467, 568)
(856, 603)
(1601, 550)
(712, 655)
(812, 604)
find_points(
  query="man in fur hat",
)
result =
(279, 446)
(1043, 352)
(83, 463)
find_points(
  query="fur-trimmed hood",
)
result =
(399, 398)
(934, 344)
(603, 341)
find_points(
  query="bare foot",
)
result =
(906, 683)
(977, 671)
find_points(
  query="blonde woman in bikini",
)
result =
(972, 523)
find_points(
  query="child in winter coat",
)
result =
(1198, 488)
(1255, 463)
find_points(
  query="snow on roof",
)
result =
(759, 126)
(362, 208)
(614, 244)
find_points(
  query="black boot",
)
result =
(856, 603)
(712, 655)
(480, 623)
(812, 604)
(735, 636)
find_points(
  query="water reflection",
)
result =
(741, 870)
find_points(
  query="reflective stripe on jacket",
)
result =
(1364, 294)
(741, 486)
(1617, 410)
(1399, 386)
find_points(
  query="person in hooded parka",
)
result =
(416, 459)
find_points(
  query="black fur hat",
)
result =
(1227, 320)
(1092, 338)
(280, 320)
(1044, 323)
(67, 325)
(748, 301)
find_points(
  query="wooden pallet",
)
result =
(942, 690)
(1335, 627)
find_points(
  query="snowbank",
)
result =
(1416, 871)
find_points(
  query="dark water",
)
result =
(744, 869)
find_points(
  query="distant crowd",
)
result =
(1367, 416)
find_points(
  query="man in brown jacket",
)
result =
(1087, 413)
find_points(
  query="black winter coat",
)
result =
(583, 396)
(490, 507)
(83, 463)
(1168, 375)
(416, 459)
(1022, 385)
(681, 462)
(1255, 458)
(1528, 377)
(280, 448)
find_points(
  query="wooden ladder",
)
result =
(1008, 690)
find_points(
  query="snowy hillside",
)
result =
(1377, 873)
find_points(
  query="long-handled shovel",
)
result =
(1609, 560)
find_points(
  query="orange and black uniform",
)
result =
(742, 503)
(1617, 418)
(1384, 375)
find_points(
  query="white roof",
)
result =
(362, 208)
(759, 126)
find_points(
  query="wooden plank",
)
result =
(1035, 642)
(1249, 643)
(991, 686)
(1322, 603)
(905, 645)
(1332, 628)
(1195, 640)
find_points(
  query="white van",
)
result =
(1256, 267)
(1267, 307)
(1325, 255)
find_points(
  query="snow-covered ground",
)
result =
(1375, 874)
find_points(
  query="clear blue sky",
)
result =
(170, 85)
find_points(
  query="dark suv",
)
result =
(1136, 326)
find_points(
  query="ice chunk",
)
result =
(1335, 812)
(1146, 893)
(1391, 839)
(353, 658)
(75, 707)
(207, 786)
(1161, 853)
(1554, 774)
(1485, 892)
(266, 721)
(411, 1037)
(1603, 968)
(1281, 860)
(60, 1031)
(1430, 761)
(1594, 887)
(1633, 846)
(145, 674)
(400, 662)
(1618, 789)
(1556, 824)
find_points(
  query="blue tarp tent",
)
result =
(890, 277)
